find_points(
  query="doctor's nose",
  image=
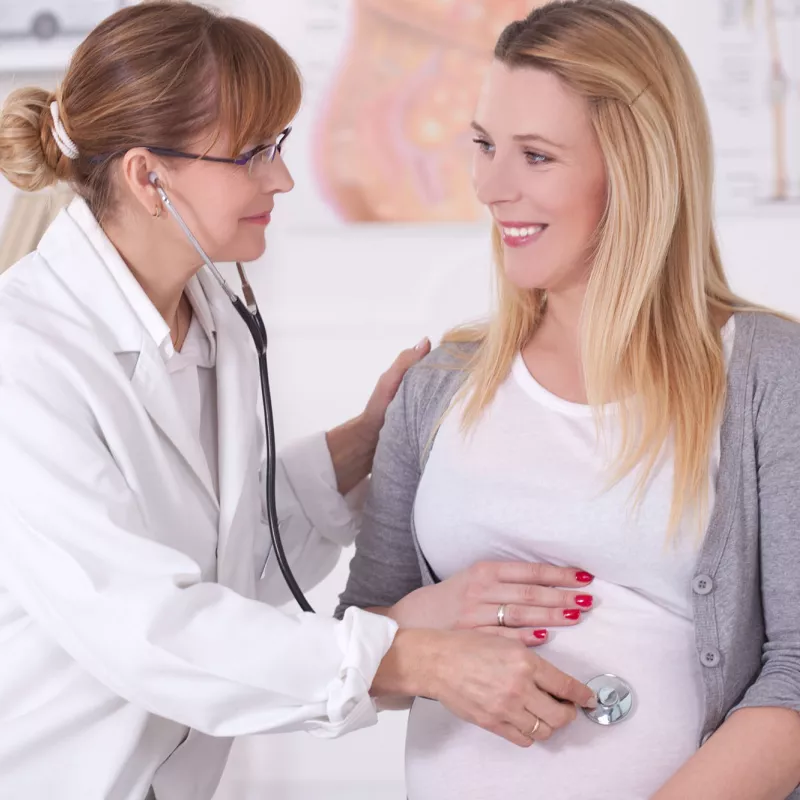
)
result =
(274, 176)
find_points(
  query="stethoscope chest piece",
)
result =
(614, 700)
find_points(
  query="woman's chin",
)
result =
(529, 276)
(242, 251)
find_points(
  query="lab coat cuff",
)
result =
(310, 472)
(365, 639)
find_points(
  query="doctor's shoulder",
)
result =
(44, 329)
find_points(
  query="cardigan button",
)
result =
(710, 657)
(702, 584)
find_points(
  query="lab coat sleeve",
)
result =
(315, 520)
(80, 559)
(311, 480)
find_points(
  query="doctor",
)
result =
(138, 634)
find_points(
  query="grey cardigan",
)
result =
(746, 588)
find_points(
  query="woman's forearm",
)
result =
(755, 755)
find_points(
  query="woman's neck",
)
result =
(161, 267)
(553, 354)
(561, 322)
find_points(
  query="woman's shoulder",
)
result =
(773, 327)
(768, 362)
(774, 344)
(441, 372)
(427, 390)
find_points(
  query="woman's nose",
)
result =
(496, 181)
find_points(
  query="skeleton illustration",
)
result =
(775, 12)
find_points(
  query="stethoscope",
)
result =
(615, 700)
(248, 311)
(614, 695)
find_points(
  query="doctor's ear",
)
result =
(138, 167)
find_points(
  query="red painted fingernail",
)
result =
(572, 613)
(584, 600)
(540, 634)
(584, 577)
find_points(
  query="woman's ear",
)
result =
(137, 166)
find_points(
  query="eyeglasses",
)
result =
(258, 156)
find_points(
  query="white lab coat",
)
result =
(121, 663)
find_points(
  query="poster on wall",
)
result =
(754, 100)
(391, 87)
(40, 35)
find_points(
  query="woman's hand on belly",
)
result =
(472, 599)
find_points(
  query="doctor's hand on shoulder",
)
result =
(352, 445)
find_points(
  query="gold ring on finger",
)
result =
(501, 616)
(534, 730)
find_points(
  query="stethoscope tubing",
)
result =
(252, 318)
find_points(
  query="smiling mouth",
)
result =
(518, 235)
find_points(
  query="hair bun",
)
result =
(29, 156)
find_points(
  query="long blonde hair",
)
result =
(657, 292)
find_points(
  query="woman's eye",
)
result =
(483, 145)
(536, 158)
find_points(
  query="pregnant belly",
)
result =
(626, 635)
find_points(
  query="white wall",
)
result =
(339, 306)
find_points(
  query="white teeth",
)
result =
(520, 233)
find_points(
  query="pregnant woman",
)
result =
(622, 410)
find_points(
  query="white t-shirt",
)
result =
(529, 483)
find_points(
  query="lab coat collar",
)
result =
(82, 256)
(148, 315)
(78, 255)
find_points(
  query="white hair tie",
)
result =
(65, 144)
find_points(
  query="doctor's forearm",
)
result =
(755, 755)
(352, 448)
(409, 668)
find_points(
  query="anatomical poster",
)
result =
(391, 87)
(395, 84)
